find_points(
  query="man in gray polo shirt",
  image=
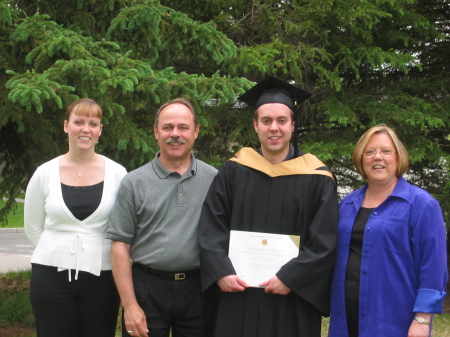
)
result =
(155, 224)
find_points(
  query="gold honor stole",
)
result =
(306, 164)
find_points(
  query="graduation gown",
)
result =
(296, 197)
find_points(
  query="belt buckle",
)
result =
(180, 276)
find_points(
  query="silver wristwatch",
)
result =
(422, 320)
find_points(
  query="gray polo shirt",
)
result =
(157, 212)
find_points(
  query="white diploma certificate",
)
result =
(257, 257)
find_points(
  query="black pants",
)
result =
(87, 307)
(169, 304)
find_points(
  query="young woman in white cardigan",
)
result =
(67, 207)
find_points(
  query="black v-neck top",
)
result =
(82, 201)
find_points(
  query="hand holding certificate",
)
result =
(257, 257)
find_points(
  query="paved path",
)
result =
(15, 250)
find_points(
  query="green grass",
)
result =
(15, 306)
(441, 325)
(15, 219)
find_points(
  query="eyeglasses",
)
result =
(386, 153)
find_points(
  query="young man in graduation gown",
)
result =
(271, 190)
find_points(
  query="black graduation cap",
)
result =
(274, 90)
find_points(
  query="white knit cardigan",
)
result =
(62, 240)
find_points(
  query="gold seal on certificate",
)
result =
(257, 257)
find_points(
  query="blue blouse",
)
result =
(403, 264)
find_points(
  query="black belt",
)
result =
(176, 276)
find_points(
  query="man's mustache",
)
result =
(175, 140)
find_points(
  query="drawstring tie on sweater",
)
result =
(77, 244)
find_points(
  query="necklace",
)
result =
(84, 165)
(80, 174)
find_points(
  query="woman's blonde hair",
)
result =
(84, 107)
(402, 153)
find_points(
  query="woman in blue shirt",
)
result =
(391, 265)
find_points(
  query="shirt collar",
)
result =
(400, 191)
(163, 173)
